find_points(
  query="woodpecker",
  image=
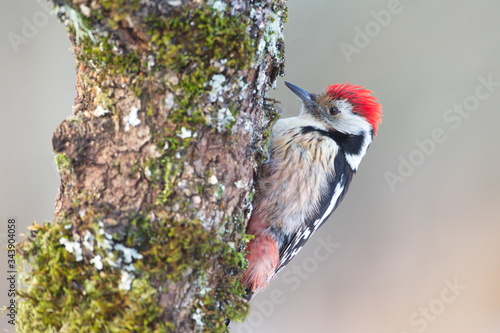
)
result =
(313, 158)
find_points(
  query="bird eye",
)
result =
(334, 111)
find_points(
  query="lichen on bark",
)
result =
(156, 166)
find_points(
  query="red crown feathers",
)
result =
(361, 100)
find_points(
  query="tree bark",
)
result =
(156, 166)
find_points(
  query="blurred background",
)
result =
(415, 246)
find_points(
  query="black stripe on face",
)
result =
(351, 144)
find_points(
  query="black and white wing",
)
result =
(338, 186)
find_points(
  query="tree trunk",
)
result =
(156, 166)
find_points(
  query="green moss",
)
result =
(117, 10)
(102, 56)
(223, 303)
(188, 42)
(183, 250)
(63, 162)
(63, 294)
(168, 166)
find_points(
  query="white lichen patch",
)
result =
(174, 3)
(196, 200)
(220, 191)
(125, 281)
(97, 261)
(218, 5)
(169, 101)
(213, 180)
(129, 268)
(217, 88)
(239, 184)
(116, 254)
(85, 10)
(248, 126)
(147, 172)
(237, 6)
(88, 241)
(224, 118)
(274, 33)
(72, 247)
(202, 284)
(71, 17)
(128, 253)
(151, 61)
(132, 119)
(185, 133)
(261, 80)
(269, 21)
(198, 317)
(243, 85)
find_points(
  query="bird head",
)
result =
(344, 108)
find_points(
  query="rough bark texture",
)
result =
(156, 166)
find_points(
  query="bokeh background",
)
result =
(415, 246)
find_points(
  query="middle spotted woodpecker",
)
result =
(313, 158)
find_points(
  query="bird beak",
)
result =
(306, 97)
